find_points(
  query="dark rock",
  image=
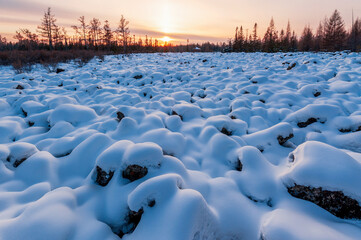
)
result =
(233, 117)
(59, 70)
(205, 60)
(268, 201)
(345, 130)
(132, 221)
(292, 66)
(239, 165)
(138, 76)
(226, 132)
(308, 122)
(151, 203)
(316, 94)
(103, 177)
(175, 113)
(334, 202)
(134, 172)
(262, 101)
(25, 113)
(283, 140)
(19, 87)
(202, 95)
(18, 162)
(120, 116)
(31, 123)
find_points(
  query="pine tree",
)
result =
(287, 40)
(318, 42)
(354, 39)
(270, 38)
(306, 40)
(335, 33)
(47, 27)
(293, 42)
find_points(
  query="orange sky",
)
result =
(197, 20)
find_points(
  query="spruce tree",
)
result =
(307, 39)
(335, 33)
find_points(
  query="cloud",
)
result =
(35, 9)
(7, 20)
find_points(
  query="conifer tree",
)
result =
(318, 42)
(334, 32)
(270, 38)
(306, 40)
(354, 39)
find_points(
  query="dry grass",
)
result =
(22, 61)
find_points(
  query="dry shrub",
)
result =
(22, 61)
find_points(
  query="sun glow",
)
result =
(166, 39)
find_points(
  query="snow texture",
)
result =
(189, 146)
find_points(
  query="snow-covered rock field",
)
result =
(183, 146)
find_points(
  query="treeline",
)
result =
(331, 35)
(93, 35)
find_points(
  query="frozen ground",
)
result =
(183, 146)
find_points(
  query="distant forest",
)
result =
(52, 44)
(331, 35)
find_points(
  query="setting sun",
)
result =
(166, 39)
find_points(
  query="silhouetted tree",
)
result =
(318, 41)
(95, 31)
(334, 32)
(26, 39)
(354, 39)
(82, 30)
(123, 30)
(270, 38)
(306, 42)
(47, 27)
(108, 34)
(293, 42)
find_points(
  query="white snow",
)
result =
(221, 140)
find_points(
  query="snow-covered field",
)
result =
(183, 146)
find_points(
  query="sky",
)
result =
(196, 20)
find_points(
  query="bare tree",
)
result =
(82, 30)
(47, 27)
(3, 40)
(123, 30)
(95, 31)
(26, 38)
